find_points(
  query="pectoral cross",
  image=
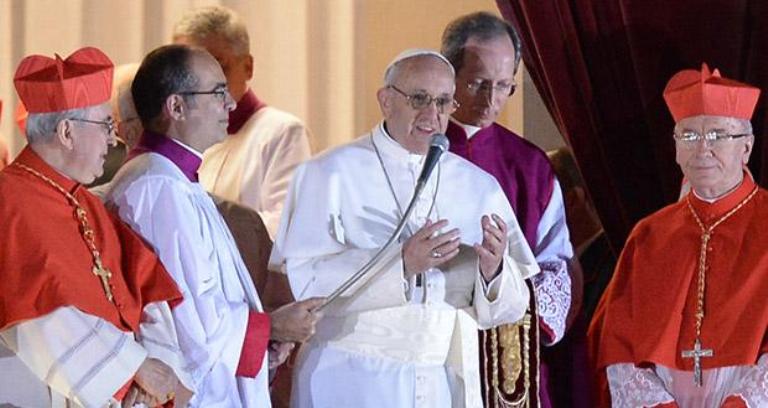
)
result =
(104, 274)
(696, 354)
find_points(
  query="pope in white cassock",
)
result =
(407, 335)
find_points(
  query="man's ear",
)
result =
(748, 144)
(384, 97)
(249, 66)
(175, 107)
(64, 134)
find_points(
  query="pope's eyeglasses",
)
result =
(421, 100)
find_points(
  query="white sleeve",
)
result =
(82, 357)
(284, 152)
(312, 246)
(753, 388)
(210, 328)
(554, 254)
(158, 336)
(632, 386)
(383, 287)
(504, 299)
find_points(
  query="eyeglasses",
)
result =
(109, 124)
(220, 92)
(421, 100)
(501, 87)
(717, 137)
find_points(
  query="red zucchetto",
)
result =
(693, 93)
(47, 84)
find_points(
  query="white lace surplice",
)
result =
(632, 386)
(553, 253)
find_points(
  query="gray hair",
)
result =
(201, 23)
(124, 103)
(744, 124)
(747, 125)
(482, 25)
(122, 100)
(393, 69)
(42, 126)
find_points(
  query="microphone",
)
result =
(437, 146)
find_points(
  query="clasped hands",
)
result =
(430, 248)
(155, 383)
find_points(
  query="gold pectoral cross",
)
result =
(696, 354)
(105, 275)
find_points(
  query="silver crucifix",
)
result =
(696, 354)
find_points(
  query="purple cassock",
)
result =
(185, 160)
(521, 168)
(527, 178)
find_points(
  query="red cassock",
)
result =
(647, 314)
(46, 263)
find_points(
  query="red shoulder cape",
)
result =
(46, 263)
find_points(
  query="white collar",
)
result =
(190, 149)
(470, 130)
(389, 147)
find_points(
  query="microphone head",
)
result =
(440, 141)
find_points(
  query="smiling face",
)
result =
(88, 145)
(410, 127)
(713, 168)
(492, 64)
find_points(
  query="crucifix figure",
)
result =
(105, 275)
(696, 354)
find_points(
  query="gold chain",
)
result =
(706, 234)
(88, 234)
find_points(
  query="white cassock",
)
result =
(70, 358)
(180, 220)
(391, 343)
(254, 166)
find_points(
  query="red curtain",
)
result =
(601, 67)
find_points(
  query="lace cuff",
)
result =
(635, 387)
(553, 297)
(753, 388)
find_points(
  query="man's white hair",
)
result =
(41, 127)
(744, 125)
(122, 100)
(393, 69)
(201, 23)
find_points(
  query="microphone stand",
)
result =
(368, 266)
